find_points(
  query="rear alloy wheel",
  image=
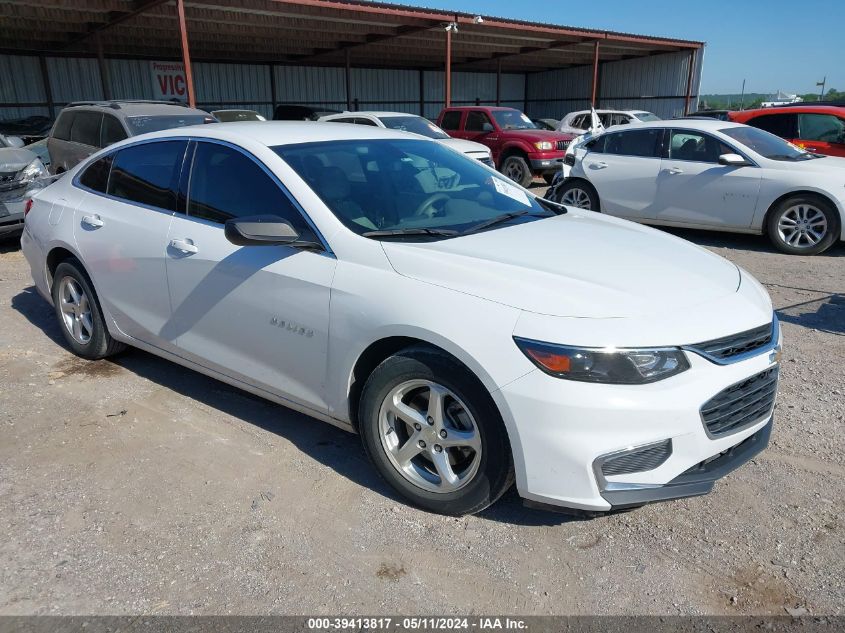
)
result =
(802, 225)
(577, 194)
(516, 168)
(434, 434)
(79, 314)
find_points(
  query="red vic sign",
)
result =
(169, 80)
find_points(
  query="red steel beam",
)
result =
(448, 75)
(186, 54)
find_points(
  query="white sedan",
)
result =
(414, 124)
(709, 174)
(388, 285)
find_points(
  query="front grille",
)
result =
(740, 405)
(637, 460)
(562, 145)
(729, 346)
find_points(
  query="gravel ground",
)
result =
(136, 486)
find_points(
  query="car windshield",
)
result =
(512, 120)
(646, 116)
(144, 124)
(415, 124)
(766, 144)
(406, 187)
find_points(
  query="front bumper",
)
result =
(546, 165)
(560, 429)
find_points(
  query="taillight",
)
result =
(27, 207)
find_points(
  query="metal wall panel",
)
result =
(74, 79)
(130, 79)
(235, 83)
(657, 76)
(312, 85)
(20, 80)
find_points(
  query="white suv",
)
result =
(391, 286)
(578, 123)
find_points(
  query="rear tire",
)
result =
(79, 314)
(579, 194)
(434, 434)
(803, 225)
(517, 169)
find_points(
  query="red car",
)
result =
(815, 128)
(520, 150)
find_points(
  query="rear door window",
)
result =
(782, 125)
(476, 120)
(96, 175)
(695, 146)
(148, 174)
(86, 128)
(644, 143)
(451, 120)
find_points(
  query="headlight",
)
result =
(544, 146)
(33, 171)
(613, 366)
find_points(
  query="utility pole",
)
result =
(822, 83)
(742, 97)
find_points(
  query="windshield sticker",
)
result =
(511, 191)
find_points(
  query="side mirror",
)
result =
(487, 127)
(260, 230)
(15, 141)
(733, 160)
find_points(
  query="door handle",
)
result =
(184, 246)
(675, 170)
(599, 165)
(94, 221)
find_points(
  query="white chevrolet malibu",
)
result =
(471, 333)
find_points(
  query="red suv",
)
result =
(520, 150)
(815, 128)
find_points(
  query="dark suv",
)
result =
(87, 126)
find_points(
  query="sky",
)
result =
(774, 45)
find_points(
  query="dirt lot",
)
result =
(137, 486)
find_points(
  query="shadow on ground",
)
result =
(339, 450)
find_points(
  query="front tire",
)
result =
(517, 169)
(803, 225)
(579, 194)
(434, 434)
(79, 314)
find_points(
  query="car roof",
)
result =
(273, 133)
(137, 108)
(704, 124)
(375, 113)
(481, 107)
(606, 111)
(807, 108)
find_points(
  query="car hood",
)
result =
(533, 136)
(466, 147)
(14, 159)
(580, 264)
(833, 165)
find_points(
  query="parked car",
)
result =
(417, 125)
(472, 333)
(29, 129)
(20, 171)
(546, 124)
(812, 127)
(519, 149)
(39, 148)
(709, 174)
(228, 116)
(292, 112)
(86, 126)
(576, 123)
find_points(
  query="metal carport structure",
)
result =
(560, 66)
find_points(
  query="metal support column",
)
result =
(689, 82)
(105, 79)
(595, 73)
(448, 75)
(498, 82)
(186, 55)
(48, 91)
(348, 80)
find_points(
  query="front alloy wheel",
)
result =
(429, 436)
(434, 433)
